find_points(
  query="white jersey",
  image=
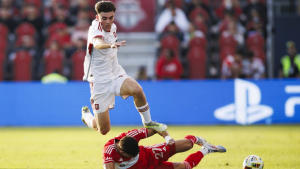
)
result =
(104, 66)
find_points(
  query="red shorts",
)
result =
(159, 153)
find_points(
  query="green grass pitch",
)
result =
(81, 147)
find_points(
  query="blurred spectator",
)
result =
(236, 32)
(82, 6)
(168, 66)
(81, 30)
(61, 14)
(172, 29)
(54, 77)
(27, 42)
(253, 66)
(193, 33)
(53, 58)
(9, 4)
(59, 32)
(198, 4)
(7, 19)
(142, 74)
(171, 13)
(290, 63)
(256, 24)
(258, 6)
(233, 5)
(232, 66)
(31, 15)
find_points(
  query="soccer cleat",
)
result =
(213, 149)
(200, 141)
(159, 127)
(84, 110)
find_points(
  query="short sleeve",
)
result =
(108, 154)
(138, 134)
(96, 32)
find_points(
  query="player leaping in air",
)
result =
(107, 78)
(123, 151)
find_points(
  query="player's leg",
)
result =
(100, 122)
(131, 87)
(101, 103)
(194, 159)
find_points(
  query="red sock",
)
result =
(193, 139)
(193, 160)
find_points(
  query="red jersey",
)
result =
(148, 158)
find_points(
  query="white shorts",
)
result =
(103, 94)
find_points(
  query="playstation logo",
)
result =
(247, 108)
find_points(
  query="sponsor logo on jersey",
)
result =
(247, 108)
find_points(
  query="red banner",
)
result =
(135, 15)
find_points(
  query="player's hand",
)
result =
(118, 44)
(171, 141)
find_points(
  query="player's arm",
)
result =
(109, 165)
(164, 134)
(99, 43)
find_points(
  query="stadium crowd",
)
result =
(199, 39)
(212, 39)
(41, 37)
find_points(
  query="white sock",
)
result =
(145, 113)
(88, 118)
(204, 150)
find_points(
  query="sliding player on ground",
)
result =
(123, 151)
(107, 78)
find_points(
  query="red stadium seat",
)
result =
(195, 12)
(3, 30)
(3, 44)
(25, 29)
(2, 59)
(170, 42)
(37, 3)
(227, 41)
(259, 53)
(77, 62)
(53, 61)
(56, 26)
(22, 66)
(255, 41)
(225, 52)
(197, 63)
(261, 1)
(198, 42)
(201, 26)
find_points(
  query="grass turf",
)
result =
(80, 147)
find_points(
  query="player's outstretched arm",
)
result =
(109, 165)
(99, 43)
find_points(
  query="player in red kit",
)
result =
(123, 151)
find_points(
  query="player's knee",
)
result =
(104, 130)
(138, 91)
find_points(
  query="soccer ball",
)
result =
(253, 161)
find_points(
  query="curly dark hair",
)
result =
(129, 145)
(105, 6)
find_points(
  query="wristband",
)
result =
(168, 138)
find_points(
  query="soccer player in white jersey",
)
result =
(107, 78)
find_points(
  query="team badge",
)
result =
(97, 106)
